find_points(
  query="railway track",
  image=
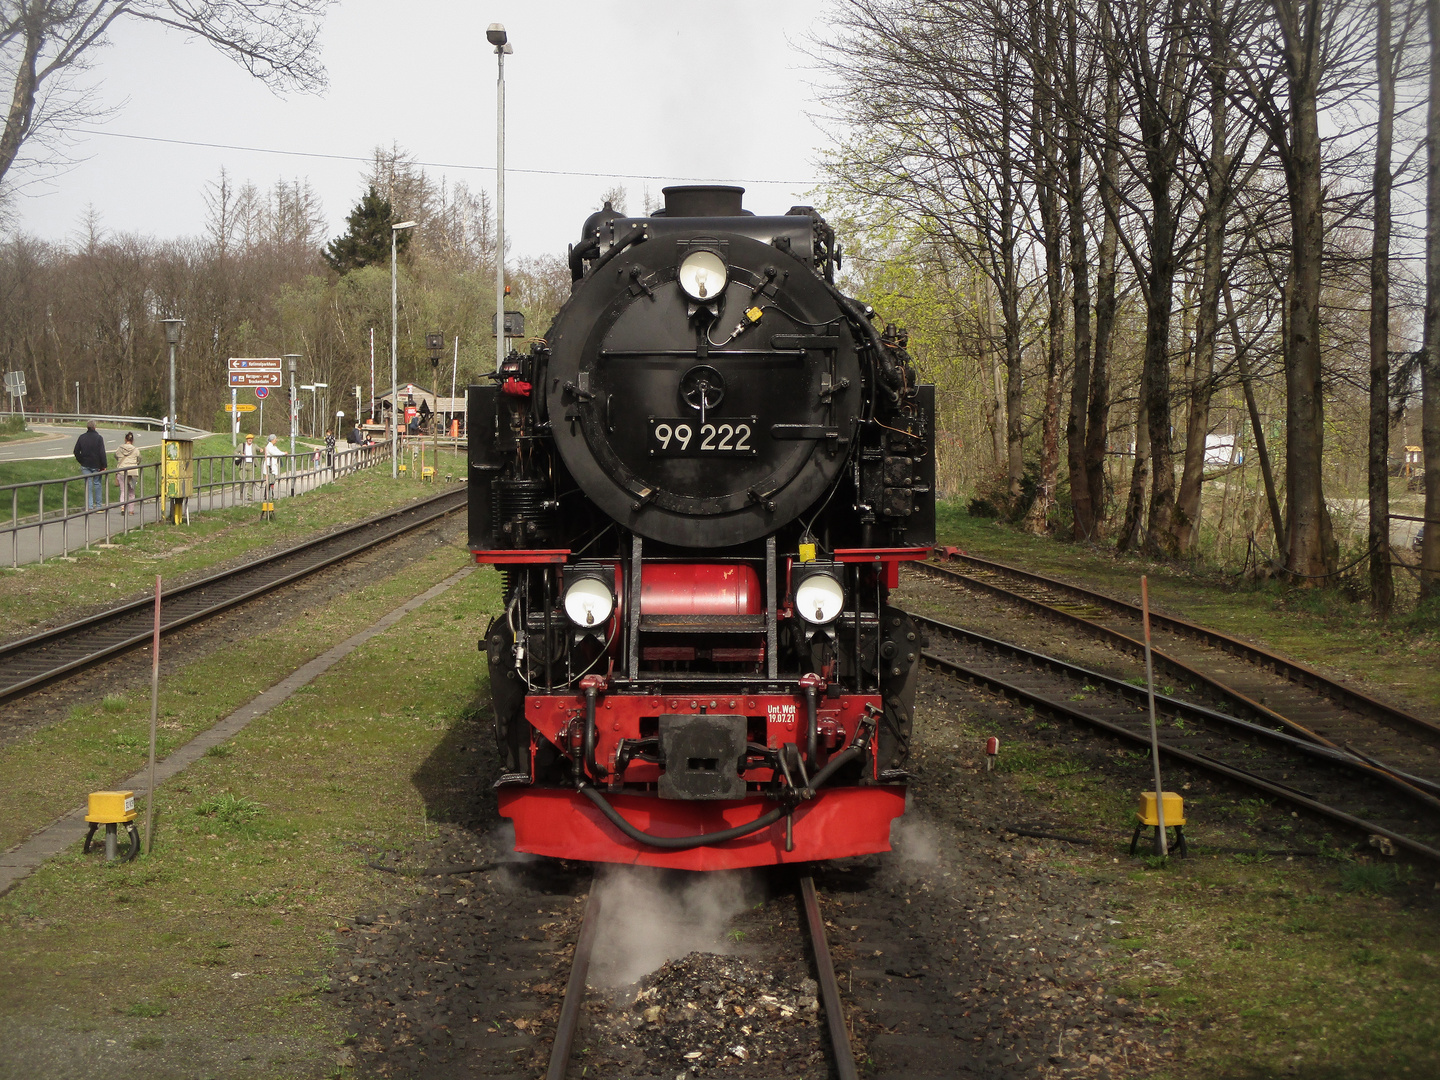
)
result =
(571, 1009)
(1258, 681)
(1343, 787)
(34, 661)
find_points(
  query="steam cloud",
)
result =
(915, 840)
(649, 916)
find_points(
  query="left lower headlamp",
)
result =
(588, 602)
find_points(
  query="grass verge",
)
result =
(208, 958)
(38, 594)
(1260, 965)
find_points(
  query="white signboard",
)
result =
(256, 371)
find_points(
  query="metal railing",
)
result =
(219, 481)
(149, 423)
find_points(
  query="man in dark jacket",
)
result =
(90, 453)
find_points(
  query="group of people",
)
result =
(91, 454)
(270, 462)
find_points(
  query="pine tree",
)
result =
(366, 241)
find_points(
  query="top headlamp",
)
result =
(703, 276)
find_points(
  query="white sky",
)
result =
(714, 91)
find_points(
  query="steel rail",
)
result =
(1408, 784)
(829, 985)
(1290, 669)
(1412, 787)
(90, 624)
(1125, 643)
(1201, 761)
(569, 1021)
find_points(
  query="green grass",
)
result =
(12, 428)
(98, 745)
(38, 593)
(210, 956)
(1257, 965)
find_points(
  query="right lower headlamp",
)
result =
(818, 595)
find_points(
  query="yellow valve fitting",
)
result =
(1174, 809)
(111, 807)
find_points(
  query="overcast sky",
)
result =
(595, 88)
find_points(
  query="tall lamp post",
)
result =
(311, 389)
(496, 36)
(322, 396)
(292, 361)
(395, 349)
(172, 338)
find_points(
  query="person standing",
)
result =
(90, 453)
(273, 454)
(127, 460)
(247, 469)
(330, 449)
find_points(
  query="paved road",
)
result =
(60, 442)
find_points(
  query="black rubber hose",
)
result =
(633, 236)
(590, 763)
(812, 732)
(889, 370)
(684, 843)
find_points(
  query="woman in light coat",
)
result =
(127, 460)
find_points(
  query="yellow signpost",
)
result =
(242, 407)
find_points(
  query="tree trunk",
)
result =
(1132, 531)
(995, 401)
(1382, 584)
(1097, 433)
(1311, 552)
(1186, 525)
(1430, 369)
(1261, 451)
(1010, 312)
(1160, 285)
(1081, 499)
(1047, 195)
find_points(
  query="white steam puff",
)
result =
(915, 840)
(650, 916)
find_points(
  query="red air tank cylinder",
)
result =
(700, 589)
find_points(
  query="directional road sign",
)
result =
(242, 407)
(255, 371)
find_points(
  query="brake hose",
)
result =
(682, 843)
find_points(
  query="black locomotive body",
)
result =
(700, 485)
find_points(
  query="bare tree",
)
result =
(1387, 58)
(46, 45)
(1430, 367)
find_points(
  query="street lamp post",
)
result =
(293, 361)
(172, 338)
(311, 389)
(395, 349)
(77, 397)
(497, 37)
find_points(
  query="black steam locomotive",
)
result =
(700, 485)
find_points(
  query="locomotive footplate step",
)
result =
(702, 756)
(703, 624)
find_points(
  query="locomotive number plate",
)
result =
(680, 437)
